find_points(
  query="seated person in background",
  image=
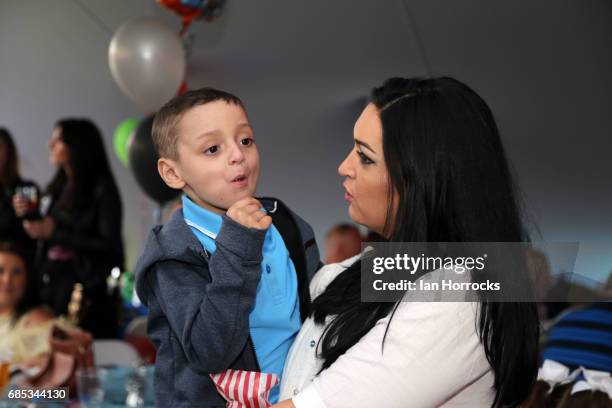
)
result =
(582, 338)
(24, 328)
(557, 387)
(577, 361)
(342, 242)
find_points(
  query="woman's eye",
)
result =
(247, 141)
(363, 158)
(212, 150)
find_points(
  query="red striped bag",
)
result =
(245, 389)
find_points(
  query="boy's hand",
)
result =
(248, 212)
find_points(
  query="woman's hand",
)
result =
(284, 404)
(41, 229)
(20, 205)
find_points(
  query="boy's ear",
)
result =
(169, 172)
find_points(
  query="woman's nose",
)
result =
(345, 169)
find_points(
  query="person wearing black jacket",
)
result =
(80, 231)
(11, 229)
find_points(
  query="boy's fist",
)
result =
(248, 213)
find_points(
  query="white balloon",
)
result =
(147, 60)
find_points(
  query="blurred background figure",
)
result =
(577, 360)
(341, 242)
(24, 325)
(582, 337)
(80, 229)
(11, 183)
(607, 288)
(538, 267)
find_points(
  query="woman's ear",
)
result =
(170, 173)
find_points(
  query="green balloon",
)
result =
(121, 138)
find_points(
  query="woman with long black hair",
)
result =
(11, 183)
(80, 232)
(427, 166)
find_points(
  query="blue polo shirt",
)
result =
(275, 318)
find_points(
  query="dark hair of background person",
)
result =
(9, 175)
(88, 163)
(30, 296)
(439, 139)
(11, 228)
(342, 228)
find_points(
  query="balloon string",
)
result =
(185, 26)
(187, 20)
(93, 17)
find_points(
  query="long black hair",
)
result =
(448, 168)
(88, 163)
(9, 172)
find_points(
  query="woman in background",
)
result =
(24, 325)
(427, 166)
(11, 183)
(81, 227)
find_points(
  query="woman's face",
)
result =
(366, 178)
(12, 280)
(59, 153)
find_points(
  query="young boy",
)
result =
(226, 278)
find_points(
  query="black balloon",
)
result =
(143, 162)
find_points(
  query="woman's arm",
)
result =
(431, 352)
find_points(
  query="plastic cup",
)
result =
(90, 387)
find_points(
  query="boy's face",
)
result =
(218, 162)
